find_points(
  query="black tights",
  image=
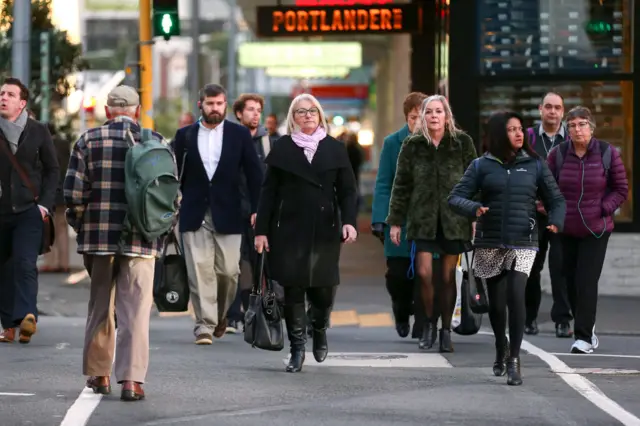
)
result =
(447, 291)
(507, 290)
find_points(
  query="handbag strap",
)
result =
(171, 238)
(262, 274)
(14, 162)
(466, 257)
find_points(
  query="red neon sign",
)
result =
(341, 2)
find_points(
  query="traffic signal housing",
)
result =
(166, 21)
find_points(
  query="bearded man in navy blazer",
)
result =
(212, 155)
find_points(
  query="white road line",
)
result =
(16, 394)
(581, 385)
(595, 355)
(80, 412)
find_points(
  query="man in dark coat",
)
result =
(248, 110)
(27, 195)
(218, 152)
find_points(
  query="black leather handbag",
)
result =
(170, 281)
(263, 321)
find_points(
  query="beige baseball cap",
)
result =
(123, 96)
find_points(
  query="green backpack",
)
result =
(151, 187)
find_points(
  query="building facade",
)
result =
(506, 54)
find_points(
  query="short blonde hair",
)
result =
(291, 124)
(449, 121)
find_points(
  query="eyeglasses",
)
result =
(581, 125)
(302, 112)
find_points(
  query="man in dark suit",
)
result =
(27, 195)
(212, 155)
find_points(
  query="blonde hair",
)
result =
(291, 124)
(449, 121)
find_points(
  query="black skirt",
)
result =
(441, 245)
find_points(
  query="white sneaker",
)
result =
(581, 347)
(595, 342)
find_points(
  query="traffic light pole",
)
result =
(146, 65)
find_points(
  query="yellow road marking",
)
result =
(344, 318)
(376, 320)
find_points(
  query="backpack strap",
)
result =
(562, 152)
(605, 151)
(532, 137)
(146, 134)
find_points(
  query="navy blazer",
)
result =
(221, 194)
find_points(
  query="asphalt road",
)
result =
(372, 377)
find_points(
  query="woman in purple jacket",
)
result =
(593, 180)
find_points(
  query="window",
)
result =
(611, 103)
(551, 37)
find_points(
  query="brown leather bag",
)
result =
(49, 230)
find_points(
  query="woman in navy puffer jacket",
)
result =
(593, 180)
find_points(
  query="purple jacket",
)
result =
(591, 200)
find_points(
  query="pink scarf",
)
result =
(309, 143)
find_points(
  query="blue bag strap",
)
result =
(411, 272)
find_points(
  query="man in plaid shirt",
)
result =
(121, 266)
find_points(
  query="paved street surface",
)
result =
(372, 377)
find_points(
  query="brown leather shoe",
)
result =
(27, 328)
(220, 329)
(131, 391)
(8, 335)
(99, 384)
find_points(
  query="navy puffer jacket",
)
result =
(510, 191)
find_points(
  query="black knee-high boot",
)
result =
(320, 323)
(321, 300)
(295, 318)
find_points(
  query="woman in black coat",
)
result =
(510, 178)
(307, 209)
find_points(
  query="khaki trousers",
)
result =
(126, 282)
(213, 266)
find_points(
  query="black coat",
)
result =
(39, 160)
(510, 192)
(302, 209)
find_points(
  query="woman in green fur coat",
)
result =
(430, 164)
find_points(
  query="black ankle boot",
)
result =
(296, 359)
(401, 319)
(426, 340)
(295, 318)
(500, 364)
(320, 325)
(445, 341)
(513, 372)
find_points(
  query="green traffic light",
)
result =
(598, 27)
(166, 23)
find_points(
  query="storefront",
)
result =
(506, 54)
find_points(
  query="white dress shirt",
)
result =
(210, 147)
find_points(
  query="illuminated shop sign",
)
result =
(277, 21)
(341, 2)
